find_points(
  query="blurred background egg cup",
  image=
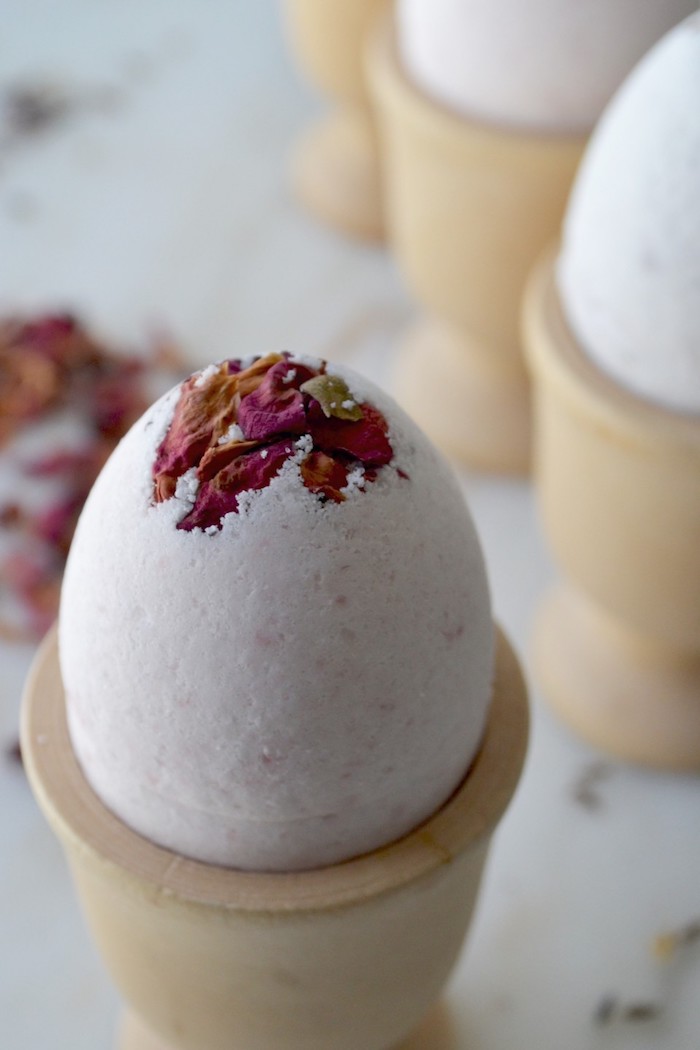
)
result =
(470, 206)
(208, 958)
(617, 641)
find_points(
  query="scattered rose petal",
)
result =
(53, 364)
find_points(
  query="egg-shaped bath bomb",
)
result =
(629, 270)
(544, 64)
(275, 630)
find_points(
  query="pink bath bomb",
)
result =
(275, 629)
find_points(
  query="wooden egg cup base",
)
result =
(335, 173)
(352, 955)
(617, 646)
(435, 1032)
(134, 1035)
(475, 406)
(623, 693)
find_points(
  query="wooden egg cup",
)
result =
(469, 207)
(335, 169)
(617, 645)
(209, 958)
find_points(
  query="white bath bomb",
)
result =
(302, 679)
(629, 271)
(547, 64)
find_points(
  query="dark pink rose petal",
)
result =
(56, 524)
(364, 439)
(189, 435)
(46, 332)
(276, 407)
(62, 462)
(219, 496)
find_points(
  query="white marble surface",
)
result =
(164, 201)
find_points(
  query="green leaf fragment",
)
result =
(333, 396)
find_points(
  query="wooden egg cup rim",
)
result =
(387, 71)
(83, 822)
(553, 349)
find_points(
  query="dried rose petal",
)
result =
(29, 385)
(47, 332)
(268, 404)
(117, 402)
(203, 414)
(276, 407)
(324, 475)
(56, 523)
(365, 439)
(219, 456)
(219, 496)
(61, 462)
(199, 411)
(10, 515)
(249, 379)
(46, 365)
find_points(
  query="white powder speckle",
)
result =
(356, 481)
(187, 486)
(234, 433)
(290, 376)
(303, 446)
(306, 360)
(349, 404)
(248, 360)
(264, 452)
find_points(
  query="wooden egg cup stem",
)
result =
(335, 167)
(335, 172)
(623, 691)
(208, 958)
(474, 404)
(617, 645)
(470, 206)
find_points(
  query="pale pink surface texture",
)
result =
(307, 684)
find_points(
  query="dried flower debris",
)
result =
(666, 945)
(586, 788)
(610, 1009)
(13, 752)
(65, 401)
(30, 110)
